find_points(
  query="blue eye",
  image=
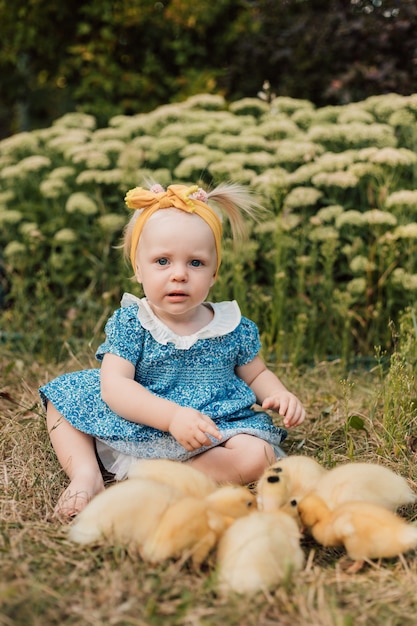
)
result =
(162, 261)
(196, 263)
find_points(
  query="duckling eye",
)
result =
(293, 502)
(273, 479)
(277, 469)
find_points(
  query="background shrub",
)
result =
(326, 273)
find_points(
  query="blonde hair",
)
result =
(232, 199)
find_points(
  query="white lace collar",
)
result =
(225, 319)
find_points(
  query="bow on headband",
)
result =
(178, 197)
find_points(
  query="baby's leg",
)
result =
(241, 459)
(76, 453)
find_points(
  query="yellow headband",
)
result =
(178, 197)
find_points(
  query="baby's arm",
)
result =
(270, 392)
(134, 402)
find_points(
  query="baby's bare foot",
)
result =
(78, 494)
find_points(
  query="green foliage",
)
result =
(324, 274)
(111, 57)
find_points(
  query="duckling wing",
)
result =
(126, 511)
(182, 476)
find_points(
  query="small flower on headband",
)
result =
(157, 188)
(200, 195)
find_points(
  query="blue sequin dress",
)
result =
(196, 371)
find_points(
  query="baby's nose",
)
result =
(179, 272)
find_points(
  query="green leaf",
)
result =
(356, 422)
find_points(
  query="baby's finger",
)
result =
(270, 403)
(210, 429)
(295, 418)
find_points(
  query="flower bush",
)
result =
(327, 271)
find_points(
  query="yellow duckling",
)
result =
(273, 489)
(182, 476)
(258, 552)
(366, 482)
(366, 530)
(126, 512)
(297, 475)
(195, 524)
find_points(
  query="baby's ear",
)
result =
(138, 273)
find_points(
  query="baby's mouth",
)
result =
(177, 294)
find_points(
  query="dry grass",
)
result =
(46, 580)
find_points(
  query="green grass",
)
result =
(45, 579)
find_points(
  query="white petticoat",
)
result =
(119, 464)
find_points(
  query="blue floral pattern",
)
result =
(202, 376)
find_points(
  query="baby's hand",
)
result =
(191, 428)
(288, 405)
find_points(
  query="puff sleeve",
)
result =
(249, 342)
(124, 335)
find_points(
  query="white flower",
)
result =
(270, 182)
(206, 101)
(69, 141)
(355, 135)
(12, 172)
(405, 198)
(302, 197)
(350, 218)
(383, 106)
(93, 159)
(10, 216)
(275, 128)
(104, 135)
(354, 113)
(361, 264)
(231, 169)
(342, 179)
(330, 213)
(100, 177)
(404, 280)
(406, 231)
(76, 120)
(30, 229)
(35, 163)
(259, 160)
(191, 168)
(323, 233)
(357, 286)
(79, 202)
(112, 222)
(289, 221)
(195, 131)
(285, 104)
(236, 143)
(362, 170)
(336, 161)
(19, 144)
(111, 146)
(251, 106)
(53, 188)
(64, 172)
(296, 152)
(14, 248)
(6, 197)
(65, 235)
(394, 157)
(379, 218)
(402, 117)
